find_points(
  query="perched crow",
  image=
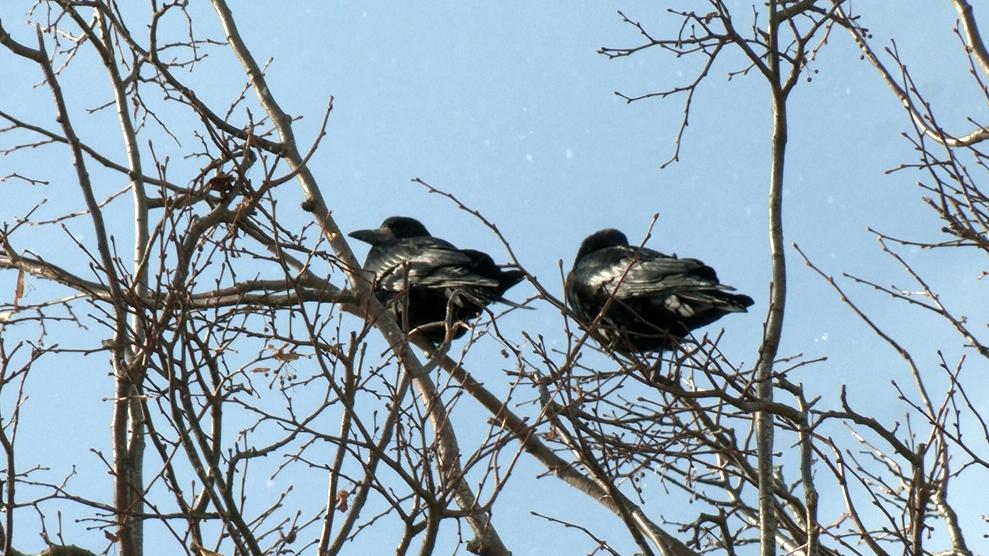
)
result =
(437, 273)
(655, 299)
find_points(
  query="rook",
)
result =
(653, 300)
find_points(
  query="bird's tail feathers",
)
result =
(510, 303)
(483, 298)
(509, 278)
(718, 299)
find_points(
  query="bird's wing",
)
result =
(633, 273)
(424, 262)
(449, 276)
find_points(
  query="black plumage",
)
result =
(653, 300)
(438, 275)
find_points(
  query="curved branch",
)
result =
(972, 34)
(949, 140)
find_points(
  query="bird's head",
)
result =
(600, 239)
(393, 228)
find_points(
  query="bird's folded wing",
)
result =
(426, 262)
(450, 277)
(658, 275)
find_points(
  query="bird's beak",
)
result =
(373, 236)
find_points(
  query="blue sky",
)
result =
(508, 106)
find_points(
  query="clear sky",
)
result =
(508, 106)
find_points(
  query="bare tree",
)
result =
(242, 340)
(903, 473)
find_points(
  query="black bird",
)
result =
(655, 299)
(438, 275)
